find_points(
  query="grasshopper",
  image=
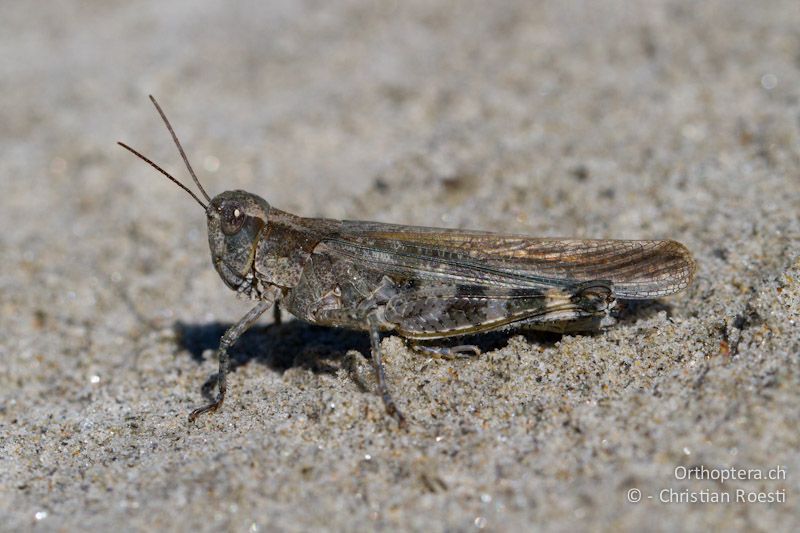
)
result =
(418, 282)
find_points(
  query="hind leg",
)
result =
(462, 351)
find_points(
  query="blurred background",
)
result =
(658, 119)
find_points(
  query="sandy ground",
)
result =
(613, 119)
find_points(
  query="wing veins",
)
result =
(512, 278)
(637, 269)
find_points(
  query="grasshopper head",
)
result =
(235, 222)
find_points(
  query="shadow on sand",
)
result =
(322, 349)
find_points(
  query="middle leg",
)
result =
(377, 363)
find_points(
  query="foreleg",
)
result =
(228, 339)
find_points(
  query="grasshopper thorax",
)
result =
(236, 220)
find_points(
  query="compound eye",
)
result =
(232, 218)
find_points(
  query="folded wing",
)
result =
(636, 269)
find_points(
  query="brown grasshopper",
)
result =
(421, 283)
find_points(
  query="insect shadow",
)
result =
(292, 344)
(323, 350)
(631, 311)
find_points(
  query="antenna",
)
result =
(167, 174)
(180, 148)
